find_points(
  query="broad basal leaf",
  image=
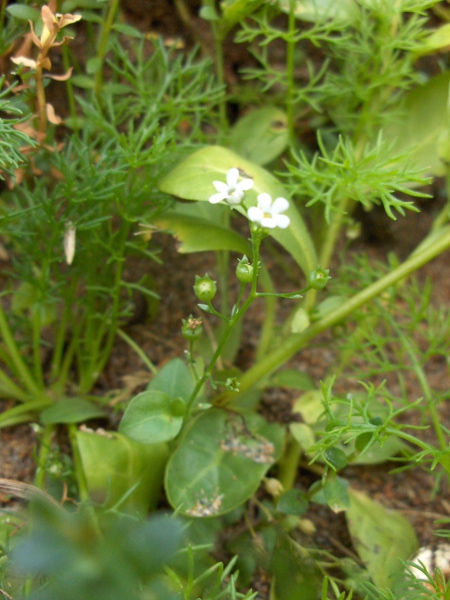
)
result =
(220, 462)
(116, 467)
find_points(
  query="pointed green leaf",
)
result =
(200, 235)
(260, 136)
(23, 12)
(71, 410)
(220, 462)
(193, 179)
(152, 417)
(438, 39)
(382, 538)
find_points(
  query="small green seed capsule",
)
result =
(192, 328)
(244, 270)
(205, 288)
(319, 278)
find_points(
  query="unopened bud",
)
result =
(319, 278)
(244, 270)
(205, 288)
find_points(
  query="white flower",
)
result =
(268, 214)
(231, 191)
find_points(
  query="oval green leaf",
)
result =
(220, 462)
(151, 418)
(175, 379)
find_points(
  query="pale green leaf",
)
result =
(318, 10)
(422, 121)
(382, 538)
(114, 466)
(199, 235)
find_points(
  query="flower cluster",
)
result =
(267, 213)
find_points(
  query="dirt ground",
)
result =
(410, 492)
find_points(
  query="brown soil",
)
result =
(411, 492)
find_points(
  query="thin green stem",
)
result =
(102, 45)
(37, 360)
(21, 370)
(70, 93)
(220, 72)
(290, 71)
(256, 242)
(147, 362)
(23, 412)
(266, 335)
(44, 453)
(419, 372)
(295, 342)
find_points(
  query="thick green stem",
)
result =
(428, 250)
(289, 464)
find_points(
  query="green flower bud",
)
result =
(205, 288)
(192, 328)
(244, 270)
(319, 278)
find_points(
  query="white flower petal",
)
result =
(280, 205)
(255, 214)
(282, 221)
(268, 222)
(245, 185)
(264, 202)
(232, 177)
(221, 186)
(215, 198)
